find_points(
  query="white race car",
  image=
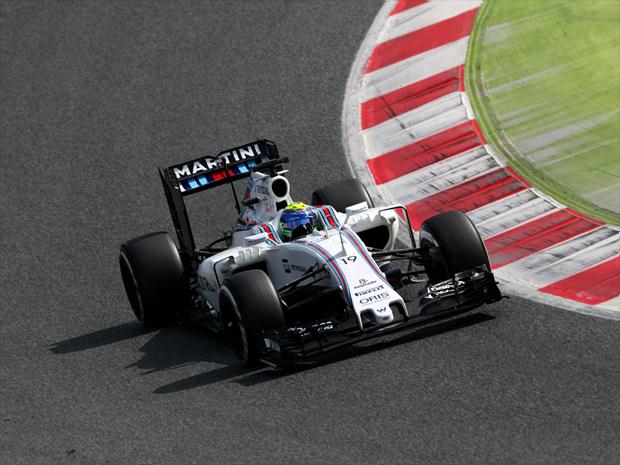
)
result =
(292, 281)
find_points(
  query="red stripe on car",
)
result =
(328, 215)
(332, 262)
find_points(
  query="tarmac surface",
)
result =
(93, 96)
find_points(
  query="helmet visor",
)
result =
(297, 224)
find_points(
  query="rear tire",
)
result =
(342, 194)
(154, 278)
(458, 241)
(249, 304)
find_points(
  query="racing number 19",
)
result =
(348, 260)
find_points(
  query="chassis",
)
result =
(283, 303)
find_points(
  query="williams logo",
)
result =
(363, 283)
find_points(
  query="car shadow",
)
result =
(98, 338)
(246, 376)
(182, 345)
(412, 335)
(166, 349)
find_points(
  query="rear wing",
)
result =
(230, 165)
(207, 172)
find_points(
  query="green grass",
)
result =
(544, 77)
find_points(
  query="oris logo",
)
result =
(374, 298)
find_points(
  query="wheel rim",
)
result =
(436, 269)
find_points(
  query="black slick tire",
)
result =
(459, 242)
(249, 304)
(154, 278)
(342, 194)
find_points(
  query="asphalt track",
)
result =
(93, 95)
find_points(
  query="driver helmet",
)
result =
(297, 219)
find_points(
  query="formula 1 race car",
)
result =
(292, 281)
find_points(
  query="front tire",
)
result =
(343, 194)
(249, 304)
(459, 243)
(154, 278)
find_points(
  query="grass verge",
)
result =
(523, 69)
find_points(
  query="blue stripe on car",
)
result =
(362, 250)
(334, 265)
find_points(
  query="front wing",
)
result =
(465, 291)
